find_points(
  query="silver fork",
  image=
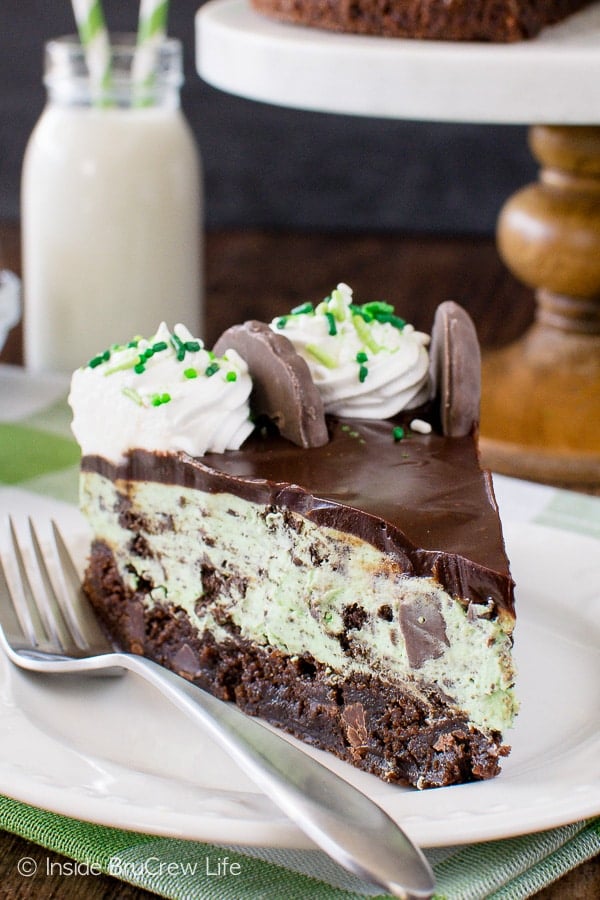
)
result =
(51, 628)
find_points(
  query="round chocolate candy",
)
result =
(283, 388)
(455, 368)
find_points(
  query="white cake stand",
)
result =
(541, 396)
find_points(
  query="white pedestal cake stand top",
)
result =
(552, 79)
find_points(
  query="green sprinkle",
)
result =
(389, 319)
(192, 346)
(377, 307)
(132, 395)
(159, 399)
(362, 373)
(99, 359)
(139, 368)
(332, 326)
(281, 322)
(398, 433)
(361, 357)
(178, 346)
(190, 373)
(303, 309)
(337, 305)
(364, 333)
(360, 311)
(211, 370)
(231, 376)
(133, 362)
(382, 312)
(160, 345)
(133, 344)
(146, 354)
(321, 356)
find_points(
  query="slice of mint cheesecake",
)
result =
(298, 522)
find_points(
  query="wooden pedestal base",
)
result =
(540, 415)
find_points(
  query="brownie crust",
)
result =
(499, 21)
(401, 735)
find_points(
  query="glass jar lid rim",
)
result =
(66, 61)
(120, 43)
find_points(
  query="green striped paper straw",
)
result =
(152, 28)
(93, 35)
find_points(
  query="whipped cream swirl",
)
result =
(165, 393)
(366, 361)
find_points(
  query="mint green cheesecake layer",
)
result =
(278, 597)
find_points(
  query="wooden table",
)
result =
(257, 274)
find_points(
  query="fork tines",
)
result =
(38, 594)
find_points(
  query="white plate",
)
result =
(112, 751)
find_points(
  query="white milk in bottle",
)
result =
(111, 209)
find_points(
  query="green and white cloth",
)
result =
(39, 463)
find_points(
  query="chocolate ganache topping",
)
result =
(422, 499)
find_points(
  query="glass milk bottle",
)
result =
(111, 208)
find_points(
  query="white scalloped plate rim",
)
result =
(114, 753)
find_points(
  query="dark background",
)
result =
(271, 167)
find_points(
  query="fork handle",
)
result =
(337, 817)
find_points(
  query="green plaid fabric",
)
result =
(37, 450)
(39, 457)
(190, 870)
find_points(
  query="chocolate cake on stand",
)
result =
(541, 395)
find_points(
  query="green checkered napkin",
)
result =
(38, 455)
(188, 870)
(37, 450)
